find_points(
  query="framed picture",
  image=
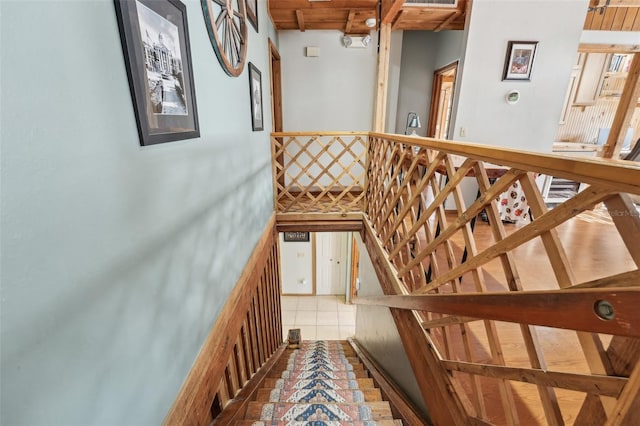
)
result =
(519, 60)
(255, 90)
(296, 237)
(252, 13)
(155, 43)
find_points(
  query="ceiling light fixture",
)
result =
(370, 22)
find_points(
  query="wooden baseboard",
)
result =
(193, 403)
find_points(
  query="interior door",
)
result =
(331, 263)
(441, 101)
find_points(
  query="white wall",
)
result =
(115, 259)
(393, 88)
(423, 52)
(331, 92)
(376, 331)
(482, 111)
(296, 264)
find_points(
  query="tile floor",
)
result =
(318, 317)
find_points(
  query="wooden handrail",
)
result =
(568, 309)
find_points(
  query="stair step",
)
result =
(307, 412)
(318, 394)
(319, 365)
(361, 384)
(343, 423)
(319, 374)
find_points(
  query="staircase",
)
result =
(321, 383)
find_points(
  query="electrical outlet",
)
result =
(463, 132)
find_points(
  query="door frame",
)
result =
(438, 77)
(276, 87)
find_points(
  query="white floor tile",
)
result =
(288, 317)
(289, 303)
(330, 332)
(347, 331)
(346, 308)
(328, 305)
(346, 318)
(308, 332)
(327, 318)
(309, 303)
(306, 318)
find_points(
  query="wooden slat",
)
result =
(597, 385)
(300, 20)
(569, 309)
(609, 48)
(453, 319)
(446, 22)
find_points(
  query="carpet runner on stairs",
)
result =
(320, 384)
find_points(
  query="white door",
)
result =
(331, 262)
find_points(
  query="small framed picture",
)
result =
(255, 90)
(252, 13)
(519, 60)
(157, 55)
(296, 237)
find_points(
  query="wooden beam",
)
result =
(390, 9)
(347, 28)
(568, 309)
(628, 407)
(625, 216)
(446, 22)
(624, 279)
(300, 19)
(624, 113)
(382, 81)
(597, 385)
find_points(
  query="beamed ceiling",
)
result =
(349, 16)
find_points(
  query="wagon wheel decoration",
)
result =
(226, 23)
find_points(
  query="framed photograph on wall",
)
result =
(255, 91)
(157, 54)
(252, 13)
(519, 60)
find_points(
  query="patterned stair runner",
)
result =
(320, 385)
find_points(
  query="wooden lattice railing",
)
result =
(469, 322)
(319, 173)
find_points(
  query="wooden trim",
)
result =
(444, 321)
(624, 113)
(608, 48)
(570, 309)
(237, 406)
(401, 405)
(276, 86)
(597, 385)
(196, 394)
(300, 20)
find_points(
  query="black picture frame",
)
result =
(251, 7)
(255, 92)
(296, 236)
(155, 43)
(518, 63)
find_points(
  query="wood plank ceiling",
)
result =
(349, 16)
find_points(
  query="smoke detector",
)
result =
(370, 22)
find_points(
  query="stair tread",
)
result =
(284, 423)
(310, 411)
(339, 384)
(318, 394)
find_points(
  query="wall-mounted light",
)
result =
(413, 123)
(512, 97)
(356, 41)
(370, 22)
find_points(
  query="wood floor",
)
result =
(593, 251)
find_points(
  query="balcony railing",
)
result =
(456, 292)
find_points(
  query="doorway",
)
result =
(276, 87)
(441, 101)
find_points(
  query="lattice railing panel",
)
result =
(319, 172)
(428, 227)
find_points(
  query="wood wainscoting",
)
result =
(247, 332)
